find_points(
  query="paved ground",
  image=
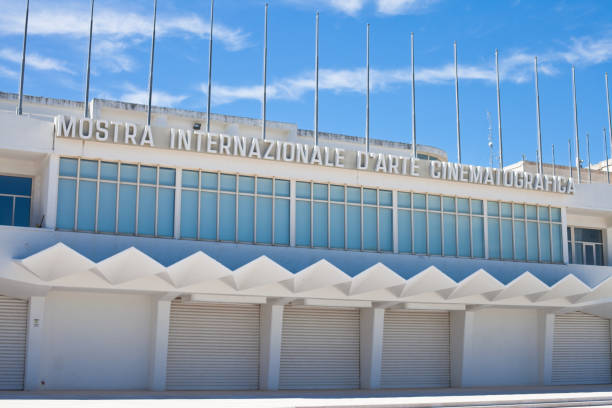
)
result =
(583, 396)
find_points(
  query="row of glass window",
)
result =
(15, 200)
(585, 246)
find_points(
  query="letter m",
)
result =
(63, 129)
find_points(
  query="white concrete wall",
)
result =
(503, 349)
(96, 341)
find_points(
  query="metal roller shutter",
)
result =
(416, 349)
(581, 349)
(13, 325)
(320, 348)
(213, 347)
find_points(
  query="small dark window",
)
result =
(15, 200)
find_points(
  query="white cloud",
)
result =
(34, 60)
(393, 7)
(8, 73)
(160, 98)
(589, 51)
(353, 7)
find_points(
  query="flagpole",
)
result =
(210, 45)
(23, 55)
(576, 122)
(85, 107)
(499, 126)
(609, 117)
(414, 148)
(151, 63)
(569, 149)
(589, 156)
(537, 90)
(553, 161)
(367, 130)
(606, 151)
(316, 95)
(457, 105)
(265, 75)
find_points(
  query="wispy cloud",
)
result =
(160, 98)
(35, 61)
(353, 7)
(8, 73)
(394, 7)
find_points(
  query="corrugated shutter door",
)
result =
(13, 325)
(213, 347)
(320, 348)
(416, 349)
(581, 349)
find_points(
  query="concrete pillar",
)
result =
(371, 327)
(50, 207)
(177, 203)
(546, 327)
(36, 312)
(564, 235)
(461, 335)
(159, 349)
(271, 331)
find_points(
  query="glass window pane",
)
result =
(146, 211)
(336, 193)
(15, 185)
(86, 219)
(531, 212)
(319, 191)
(418, 201)
(167, 177)
(246, 217)
(109, 171)
(66, 204)
(519, 211)
(569, 233)
(281, 221)
(68, 167)
(353, 195)
(463, 232)
(282, 188)
(264, 186)
(208, 215)
(302, 223)
(545, 255)
(588, 235)
(598, 255)
(477, 207)
(520, 251)
(209, 181)
(450, 239)
(148, 175)
(478, 247)
(404, 230)
(463, 205)
(369, 196)
(448, 203)
(246, 184)
(506, 210)
(557, 243)
(532, 240)
(336, 224)
(385, 227)
(434, 234)
(165, 212)
(127, 208)
(302, 189)
(228, 182)
(189, 214)
(264, 220)
(129, 173)
(492, 208)
(507, 243)
(555, 214)
(369, 227)
(227, 216)
(89, 169)
(578, 251)
(385, 197)
(319, 224)
(434, 202)
(22, 212)
(543, 213)
(6, 210)
(403, 200)
(420, 231)
(353, 227)
(493, 232)
(569, 252)
(190, 179)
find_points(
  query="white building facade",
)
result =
(166, 258)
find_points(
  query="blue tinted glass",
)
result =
(209, 181)
(129, 172)
(403, 200)
(336, 193)
(148, 175)
(531, 212)
(506, 232)
(127, 208)
(433, 201)
(208, 215)
(369, 196)
(246, 184)
(448, 204)
(108, 171)
(107, 203)
(450, 239)
(463, 232)
(264, 186)
(545, 242)
(385, 225)
(336, 225)
(264, 220)
(227, 217)
(146, 211)
(167, 177)
(555, 214)
(165, 212)
(86, 219)
(404, 230)
(353, 195)
(420, 231)
(282, 188)
(15, 185)
(385, 197)
(543, 213)
(478, 247)
(492, 208)
(89, 169)
(532, 241)
(477, 207)
(68, 167)
(302, 223)
(520, 251)
(228, 182)
(463, 205)
(506, 210)
(189, 179)
(493, 233)
(189, 213)
(66, 203)
(302, 190)
(246, 217)
(434, 233)
(319, 191)
(319, 224)
(281, 221)
(519, 211)
(22, 212)
(369, 227)
(418, 201)
(557, 243)
(353, 227)
(6, 210)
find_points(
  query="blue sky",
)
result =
(560, 33)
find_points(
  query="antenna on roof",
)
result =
(367, 130)
(210, 44)
(553, 161)
(576, 123)
(606, 152)
(569, 149)
(316, 95)
(23, 55)
(537, 91)
(457, 104)
(151, 66)
(501, 151)
(490, 144)
(265, 74)
(414, 151)
(86, 110)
